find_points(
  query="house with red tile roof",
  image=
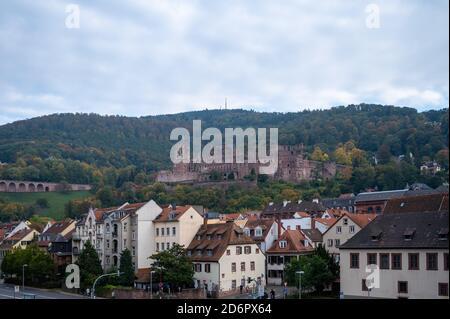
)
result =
(19, 240)
(342, 229)
(291, 245)
(225, 258)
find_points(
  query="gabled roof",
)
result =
(362, 220)
(169, 214)
(265, 224)
(230, 233)
(58, 227)
(326, 221)
(294, 243)
(423, 203)
(388, 231)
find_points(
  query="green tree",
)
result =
(90, 266)
(174, 266)
(126, 268)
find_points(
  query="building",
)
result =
(52, 232)
(19, 240)
(374, 202)
(430, 168)
(290, 245)
(313, 237)
(342, 230)
(322, 224)
(410, 251)
(263, 231)
(225, 258)
(60, 249)
(176, 225)
(287, 209)
(346, 203)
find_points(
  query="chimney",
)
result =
(278, 221)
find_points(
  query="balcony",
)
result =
(114, 234)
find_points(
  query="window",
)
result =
(133, 235)
(208, 268)
(247, 250)
(199, 237)
(174, 231)
(107, 243)
(157, 231)
(396, 261)
(107, 260)
(198, 267)
(219, 237)
(208, 237)
(384, 261)
(162, 231)
(107, 228)
(351, 229)
(125, 226)
(124, 243)
(252, 266)
(354, 260)
(446, 261)
(233, 284)
(163, 246)
(432, 261)
(283, 244)
(242, 266)
(413, 261)
(157, 246)
(345, 221)
(257, 251)
(247, 231)
(238, 250)
(338, 229)
(402, 287)
(209, 252)
(443, 289)
(337, 242)
(330, 242)
(364, 285)
(168, 231)
(133, 251)
(258, 231)
(233, 267)
(371, 259)
(228, 252)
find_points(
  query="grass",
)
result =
(56, 200)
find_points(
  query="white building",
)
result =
(225, 258)
(410, 251)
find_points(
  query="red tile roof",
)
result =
(326, 221)
(294, 243)
(166, 216)
(230, 234)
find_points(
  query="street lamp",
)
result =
(299, 273)
(118, 273)
(23, 278)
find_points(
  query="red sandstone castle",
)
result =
(292, 166)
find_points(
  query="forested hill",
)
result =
(88, 141)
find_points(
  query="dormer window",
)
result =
(209, 252)
(219, 237)
(443, 234)
(189, 252)
(283, 244)
(199, 237)
(258, 231)
(247, 231)
(172, 215)
(376, 236)
(409, 233)
(199, 252)
(208, 237)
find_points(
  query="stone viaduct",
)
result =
(31, 187)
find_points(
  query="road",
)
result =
(7, 292)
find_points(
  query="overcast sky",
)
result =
(145, 57)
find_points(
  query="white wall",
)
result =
(421, 283)
(304, 223)
(145, 233)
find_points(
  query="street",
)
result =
(7, 292)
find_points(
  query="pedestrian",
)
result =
(241, 288)
(272, 294)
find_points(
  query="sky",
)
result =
(147, 57)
